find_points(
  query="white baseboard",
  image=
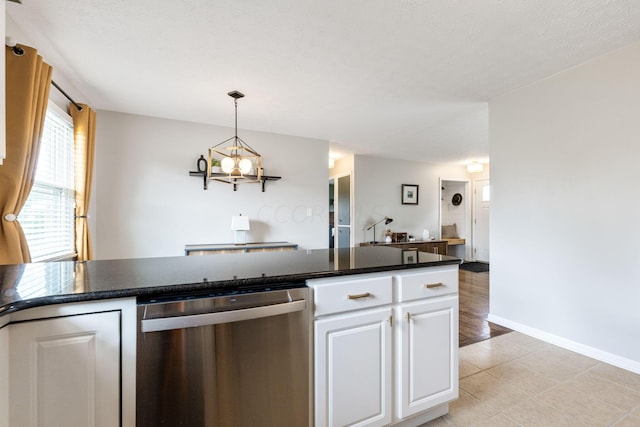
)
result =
(585, 350)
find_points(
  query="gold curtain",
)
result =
(28, 81)
(84, 135)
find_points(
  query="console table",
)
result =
(439, 247)
(227, 248)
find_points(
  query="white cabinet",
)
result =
(352, 351)
(71, 365)
(68, 372)
(353, 369)
(360, 322)
(427, 354)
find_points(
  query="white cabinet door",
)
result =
(4, 376)
(426, 354)
(353, 369)
(68, 372)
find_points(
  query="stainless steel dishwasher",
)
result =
(225, 359)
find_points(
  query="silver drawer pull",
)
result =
(433, 285)
(358, 296)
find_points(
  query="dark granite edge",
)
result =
(200, 286)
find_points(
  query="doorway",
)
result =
(455, 209)
(340, 211)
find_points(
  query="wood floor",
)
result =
(474, 308)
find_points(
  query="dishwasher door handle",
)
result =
(194, 320)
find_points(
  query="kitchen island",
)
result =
(79, 298)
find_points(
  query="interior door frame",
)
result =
(468, 213)
(336, 208)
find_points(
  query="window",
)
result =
(48, 215)
(486, 193)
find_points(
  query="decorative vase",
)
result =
(216, 169)
(387, 239)
(425, 235)
(202, 164)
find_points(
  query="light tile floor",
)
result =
(516, 380)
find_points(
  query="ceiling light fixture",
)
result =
(239, 161)
(475, 167)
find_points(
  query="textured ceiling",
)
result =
(393, 78)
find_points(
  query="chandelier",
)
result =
(236, 162)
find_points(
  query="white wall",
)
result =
(50, 56)
(564, 215)
(146, 204)
(378, 184)
(343, 166)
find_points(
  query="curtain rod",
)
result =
(18, 51)
(78, 106)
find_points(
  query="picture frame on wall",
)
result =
(409, 194)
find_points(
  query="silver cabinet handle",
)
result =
(433, 285)
(358, 296)
(180, 322)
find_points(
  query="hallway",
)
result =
(474, 308)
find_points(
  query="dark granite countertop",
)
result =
(37, 284)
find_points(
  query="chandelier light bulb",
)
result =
(245, 166)
(227, 164)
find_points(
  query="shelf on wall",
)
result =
(235, 181)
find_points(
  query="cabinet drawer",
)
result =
(351, 295)
(427, 284)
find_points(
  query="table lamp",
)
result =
(386, 220)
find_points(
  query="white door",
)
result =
(426, 354)
(66, 371)
(482, 201)
(353, 369)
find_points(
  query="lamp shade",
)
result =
(240, 223)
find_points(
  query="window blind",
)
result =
(48, 215)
